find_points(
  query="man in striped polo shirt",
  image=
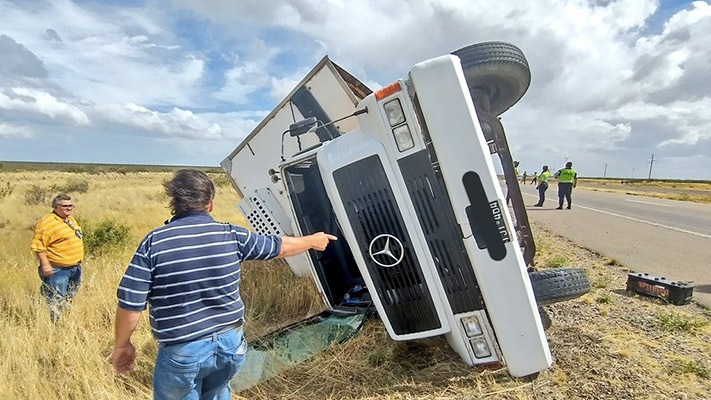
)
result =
(188, 273)
(59, 247)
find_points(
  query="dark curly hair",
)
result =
(189, 190)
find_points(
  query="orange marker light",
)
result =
(387, 90)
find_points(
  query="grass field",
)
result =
(607, 344)
(71, 360)
(696, 191)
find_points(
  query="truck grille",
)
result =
(373, 211)
(444, 239)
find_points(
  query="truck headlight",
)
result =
(480, 347)
(393, 110)
(472, 326)
(403, 138)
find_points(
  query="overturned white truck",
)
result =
(404, 176)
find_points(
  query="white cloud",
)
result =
(175, 123)
(113, 57)
(605, 83)
(41, 102)
(12, 131)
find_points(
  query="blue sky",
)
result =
(181, 82)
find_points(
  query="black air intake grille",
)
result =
(372, 211)
(434, 210)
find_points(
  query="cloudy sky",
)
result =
(182, 81)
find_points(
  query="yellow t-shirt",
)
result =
(54, 237)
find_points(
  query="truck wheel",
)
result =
(497, 69)
(559, 284)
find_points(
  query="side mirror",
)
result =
(303, 126)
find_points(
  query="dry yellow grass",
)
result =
(607, 344)
(71, 360)
(695, 191)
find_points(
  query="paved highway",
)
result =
(662, 237)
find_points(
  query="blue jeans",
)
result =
(59, 288)
(200, 369)
(564, 191)
(542, 187)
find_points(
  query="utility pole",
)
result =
(633, 172)
(604, 174)
(651, 163)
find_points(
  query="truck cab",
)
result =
(405, 178)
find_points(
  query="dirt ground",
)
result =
(608, 344)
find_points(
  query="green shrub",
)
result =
(605, 298)
(6, 190)
(682, 366)
(602, 282)
(676, 322)
(106, 236)
(557, 261)
(38, 195)
(220, 180)
(78, 185)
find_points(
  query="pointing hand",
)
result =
(320, 240)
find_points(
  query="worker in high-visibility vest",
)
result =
(542, 186)
(567, 180)
(508, 188)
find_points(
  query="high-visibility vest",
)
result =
(566, 175)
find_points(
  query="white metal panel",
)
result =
(457, 138)
(335, 102)
(344, 151)
(249, 164)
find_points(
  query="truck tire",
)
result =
(559, 284)
(498, 69)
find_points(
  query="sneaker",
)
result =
(568, 207)
(559, 208)
(538, 205)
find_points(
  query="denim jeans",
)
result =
(200, 369)
(542, 187)
(564, 191)
(59, 288)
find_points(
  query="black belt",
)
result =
(67, 266)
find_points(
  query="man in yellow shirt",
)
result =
(59, 247)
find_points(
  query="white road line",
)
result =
(648, 202)
(703, 235)
(647, 222)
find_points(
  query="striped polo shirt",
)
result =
(188, 272)
(58, 240)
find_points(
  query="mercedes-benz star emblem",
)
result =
(386, 250)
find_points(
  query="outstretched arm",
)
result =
(291, 246)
